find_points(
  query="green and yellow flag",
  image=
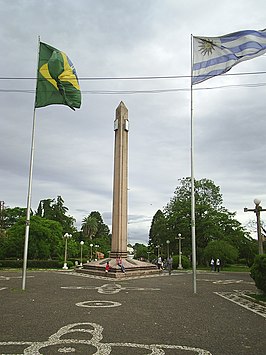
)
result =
(57, 81)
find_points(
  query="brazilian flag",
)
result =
(57, 81)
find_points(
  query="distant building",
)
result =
(130, 251)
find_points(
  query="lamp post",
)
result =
(91, 245)
(96, 248)
(257, 210)
(66, 237)
(180, 267)
(81, 246)
(148, 252)
(168, 252)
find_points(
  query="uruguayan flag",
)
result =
(216, 55)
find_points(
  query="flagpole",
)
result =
(27, 228)
(193, 224)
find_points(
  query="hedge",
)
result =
(258, 272)
(34, 264)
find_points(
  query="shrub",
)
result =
(185, 262)
(258, 272)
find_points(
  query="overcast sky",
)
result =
(131, 38)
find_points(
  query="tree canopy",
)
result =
(47, 227)
(55, 210)
(213, 221)
(45, 239)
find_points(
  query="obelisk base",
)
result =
(116, 254)
(132, 267)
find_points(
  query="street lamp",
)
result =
(81, 245)
(91, 245)
(168, 253)
(257, 210)
(66, 237)
(180, 267)
(148, 252)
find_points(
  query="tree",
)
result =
(158, 230)
(45, 239)
(102, 228)
(11, 215)
(222, 250)
(141, 251)
(89, 227)
(97, 232)
(56, 211)
(213, 221)
(93, 226)
(104, 243)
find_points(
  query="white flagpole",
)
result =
(27, 229)
(193, 224)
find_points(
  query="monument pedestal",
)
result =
(132, 268)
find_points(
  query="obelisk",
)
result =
(120, 184)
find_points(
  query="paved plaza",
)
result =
(75, 313)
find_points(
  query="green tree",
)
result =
(158, 230)
(45, 239)
(213, 221)
(102, 228)
(95, 231)
(221, 249)
(93, 226)
(89, 227)
(11, 215)
(45, 209)
(55, 210)
(104, 243)
(141, 251)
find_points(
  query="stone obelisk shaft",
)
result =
(120, 184)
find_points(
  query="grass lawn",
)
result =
(232, 268)
(258, 297)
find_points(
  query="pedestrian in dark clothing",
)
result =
(170, 264)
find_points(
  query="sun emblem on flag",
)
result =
(206, 46)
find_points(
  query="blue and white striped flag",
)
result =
(216, 55)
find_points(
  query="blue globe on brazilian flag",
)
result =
(57, 81)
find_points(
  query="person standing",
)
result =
(218, 264)
(212, 263)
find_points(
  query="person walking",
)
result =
(170, 264)
(160, 263)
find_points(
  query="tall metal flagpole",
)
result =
(193, 224)
(27, 229)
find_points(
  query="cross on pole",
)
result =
(257, 210)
